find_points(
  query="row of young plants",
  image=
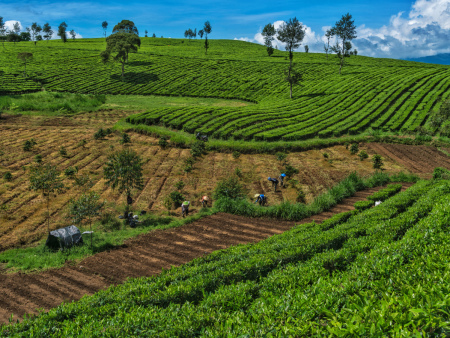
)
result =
(378, 196)
(311, 280)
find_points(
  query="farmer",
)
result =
(260, 198)
(185, 208)
(281, 178)
(204, 201)
(274, 182)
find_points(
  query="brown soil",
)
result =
(145, 255)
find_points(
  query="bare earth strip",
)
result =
(143, 256)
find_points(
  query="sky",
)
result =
(385, 28)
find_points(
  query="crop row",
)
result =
(314, 279)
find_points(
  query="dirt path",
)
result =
(145, 255)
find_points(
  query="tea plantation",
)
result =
(382, 271)
(383, 94)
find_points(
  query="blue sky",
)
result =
(387, 28)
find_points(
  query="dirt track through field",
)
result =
(145, 255)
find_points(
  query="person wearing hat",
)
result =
(204, 201)
(185, 208)
(281, 178)
(274, 182)
(260, 198)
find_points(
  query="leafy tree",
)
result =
(354, 148)
(125, 138)
(13, 37)
(87, 206)
(16, 28)
(46, 179)
(293, 77)
(123, 171)
(291, 33)
(188, 33)
(355, 52)
(268, 32)
(206, 45)
(126, 26)
(25, 36)
(25, 57)
(62, 31)
(177, 198)
(194, 33)
(120, 44)
(105, 27)
(36, 32)
(73, 34)
(48, 32)
(207, 30)
(229, 187)
(377, 161)
(154, 35)
(345, 30)
(146, 33)
(306, 49)
(328, 35)
(7, 176)
(200, 33)
(2, 31)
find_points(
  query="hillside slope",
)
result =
(378, 93)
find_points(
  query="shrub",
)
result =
(100, 134)
(82, 143)
(325, 155)
(125, 138)
(63, 151)
(290, 171)
(29, 144)
(236, 154)
(177, 198)
(70, 172)
(346, 145)
(229, 187)
(189, 161)
(38, 159)
(7, 176)
(440, 173)
(198, 148)
(377, 161)
(109, 222)
(238, 172)
(179, 185)
(162, 142)
(362, 155)
(187, 168)
(363, 205)
(301, 196)
(281, 156)
(354, 148)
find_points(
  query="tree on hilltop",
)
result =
(48, 32)
(200, 33)
(25, 35)
(189, 33)
(345, 30)
(126, 26)
(62, 28)
(329, 33)
(16, 28)
(73, 34)
(36, 32)
(121, 42)
(292, 34)
(206, 30)
(146, 33)
(105, 27)
(2, 31)
(268, 32)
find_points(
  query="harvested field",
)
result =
(24, 221)
(143, 256)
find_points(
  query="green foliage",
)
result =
(179, 185)
(354, 148)
(441, 173)
(301, 196)
(162, 142)
(198, 148)
(281, 156)
(363, 155)
(238, 172)
(125, 139)
(100, 134)
(236, 154)
(70, 172)
(123, 171)
(363, 205)
(38, 158)
(28, 145)
(384, 194)
(229, 188)
(290, 171)
(86, 207)
(167, 203)
(83, 181)
(377, 161)
(325, 155)
(63, 151)
(177, 198)
(7, 176)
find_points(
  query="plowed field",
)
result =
(24, 222)
(143, 256)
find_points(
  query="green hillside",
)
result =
(378, 93)
(383, 271)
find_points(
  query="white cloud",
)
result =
(424, 31)
(10, 24)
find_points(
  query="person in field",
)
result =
(281, 179)
(274, 182)
(204, 201)
(261, 199)
(185, 208)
